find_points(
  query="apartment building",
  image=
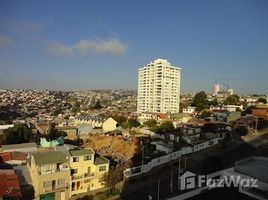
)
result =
(159, 87)
(50, 173)
(67, 171)
(86, 168)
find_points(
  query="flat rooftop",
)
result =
(50, 157)
(256, 167)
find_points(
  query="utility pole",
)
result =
(179, 172)
(158, 192)
(142, 160)
(171, 181)
(185, 163)
(142, 155)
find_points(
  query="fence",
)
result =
(135, 171)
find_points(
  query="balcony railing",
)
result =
(75, 177)
(54, 171)
(55, 188)
(84, 176)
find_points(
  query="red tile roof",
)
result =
(4, 157)
(162, 116)
(9, 184)
(18, 156)
(7, 156)
(260, 112)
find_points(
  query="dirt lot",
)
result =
(114, 146)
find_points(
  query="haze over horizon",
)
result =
(84, 45)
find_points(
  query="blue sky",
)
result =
(100, 44)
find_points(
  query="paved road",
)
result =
(141, 188)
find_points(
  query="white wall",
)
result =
(172, 156)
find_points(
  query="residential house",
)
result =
(109, 125)
(191, 133)
(96, 121)
(87, 168)
(9, 184)
(229, 108)
(163, 147)
(189, 110)
(50, 173)
(159, 117)
(260, 111)
(82, 172)
(180, 118)
(13, 158)
(220, 129)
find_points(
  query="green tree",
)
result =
(248, 110)
(130, 123)
(214, 102)
(262, 100)
(241, 130)
(119, 119)
(232, 100)
(18, 134)
(150, 123)
(166, 126)
(54, 133)
(206, 113)
(200, 101)
(97, 105)
(262, 123)
(113, 177)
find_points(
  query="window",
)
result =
(102, 168)
(61, 181)
(87, 157)
(74, 171)
(210, 143)
(87, 181)
(101, 180)
(47, 184)
(75, 159)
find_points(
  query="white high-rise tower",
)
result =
(159, 87)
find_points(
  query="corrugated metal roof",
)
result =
(18, 146)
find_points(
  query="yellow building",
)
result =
(50, 173)
(97, 122)
(109, 125)
(87, 169)
(66, 171)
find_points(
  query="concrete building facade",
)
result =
(159, 87)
